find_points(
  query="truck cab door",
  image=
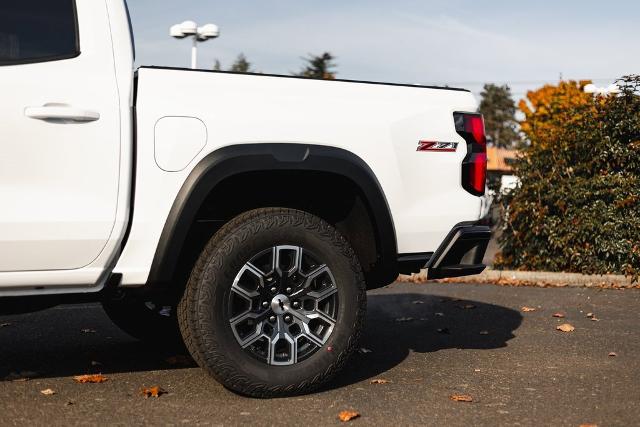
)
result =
(60, 130)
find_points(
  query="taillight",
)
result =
(474, 166)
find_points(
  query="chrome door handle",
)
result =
(61, 112)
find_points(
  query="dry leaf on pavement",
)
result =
(345, 416)
(590, 315)
(48, 392)
(154, 391)
(379, 381)
(565, 327)
(527, 309)
(461, 398)
(558, 315)
(613, 354)
(93, 378)
(588, 425)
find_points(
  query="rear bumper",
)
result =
(461, 252)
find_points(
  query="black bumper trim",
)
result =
(461, 253)
(413, 263)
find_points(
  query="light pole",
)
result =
(199, 34)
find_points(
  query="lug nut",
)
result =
(287, 318)
(288, 290)
(296, 304)
(272, 319)
(273, 289)
(265, 304)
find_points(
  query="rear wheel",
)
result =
(275, 304)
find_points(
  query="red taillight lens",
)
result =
(474, 166)
(478, 172)
(474, 124)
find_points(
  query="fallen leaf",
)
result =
(565, 327)
(443, 330)
(363, 350)
(48, 392)
(379, 381)
(613, 354)
(417, 302)
(590, 315)
(484, 332)
(461, 398)
(404, 319)
(593, 319)
(345, 416)
(69, 403)
(467, 306)
(154, 391)
(88, 331)
(588, 425)
(527, 309)
(558, 315)
(93, 378)
(4, 325)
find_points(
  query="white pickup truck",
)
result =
(246, 213)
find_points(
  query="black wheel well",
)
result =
(332, 197)
(332, 183)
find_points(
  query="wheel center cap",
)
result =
(280, 304)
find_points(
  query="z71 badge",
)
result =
(437, 146)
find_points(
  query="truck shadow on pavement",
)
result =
(75, 340)
(398, 324)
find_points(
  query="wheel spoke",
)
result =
(294, 266)
(280, 332)
(304, 289)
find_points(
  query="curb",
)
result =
(533, 278)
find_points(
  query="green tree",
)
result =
(241, 65)
(499, 111)
(319, 67)
(577, 207)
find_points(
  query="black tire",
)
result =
(143, 320)
(203, 312)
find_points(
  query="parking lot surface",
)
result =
(429, 341)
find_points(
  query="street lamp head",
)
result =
(176, 31)
(189, 28)
(209, 31)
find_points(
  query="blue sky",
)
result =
(456, 42)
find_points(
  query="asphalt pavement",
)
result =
(430, 341)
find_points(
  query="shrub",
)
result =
(577, 207)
